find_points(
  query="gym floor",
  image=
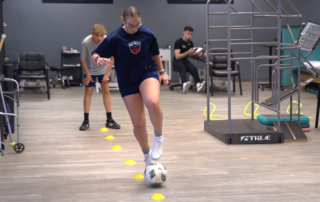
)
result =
(61, 163)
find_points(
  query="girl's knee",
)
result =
(153, 105)
(139, 125)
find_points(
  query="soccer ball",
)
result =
(155, 174)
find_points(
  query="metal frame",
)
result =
(18, 144)
(280, 14)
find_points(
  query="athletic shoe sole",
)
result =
(83, 129)
(186, 87)
(113, 127)
(202, 87)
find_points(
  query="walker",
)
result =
(17, 147)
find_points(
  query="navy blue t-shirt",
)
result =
(132, 53)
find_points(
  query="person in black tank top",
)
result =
(183, 47)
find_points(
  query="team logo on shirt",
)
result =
(135, 47)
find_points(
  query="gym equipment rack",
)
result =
(242, 131)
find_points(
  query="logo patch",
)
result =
(135, 47)
(255, 138)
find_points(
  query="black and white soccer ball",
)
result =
(155, 174)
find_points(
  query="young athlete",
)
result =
(93, 71)
(183, 47)
(140, 72)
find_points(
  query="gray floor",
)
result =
(60, 163)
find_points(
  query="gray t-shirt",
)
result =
(88, 46)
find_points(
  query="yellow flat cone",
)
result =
(138, 176)
(158, 196)
(116, 147)
(12, 144)
(104, 129)
(110, 137)
(130, 162)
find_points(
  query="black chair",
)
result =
(59, 77)
(219, 66)
(35, 64)
(172, 86)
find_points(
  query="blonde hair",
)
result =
(99, 29)
(130, 12)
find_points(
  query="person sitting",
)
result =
(183, 47)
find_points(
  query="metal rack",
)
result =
(251, 131)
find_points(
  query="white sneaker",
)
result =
(157, 147)
(185, 87)
(147, 159)
(201, 87)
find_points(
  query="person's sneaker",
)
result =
(85, 125)
(201, 87)
(185, 87)
(148, 160)
(112, 124)
(157, 147)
